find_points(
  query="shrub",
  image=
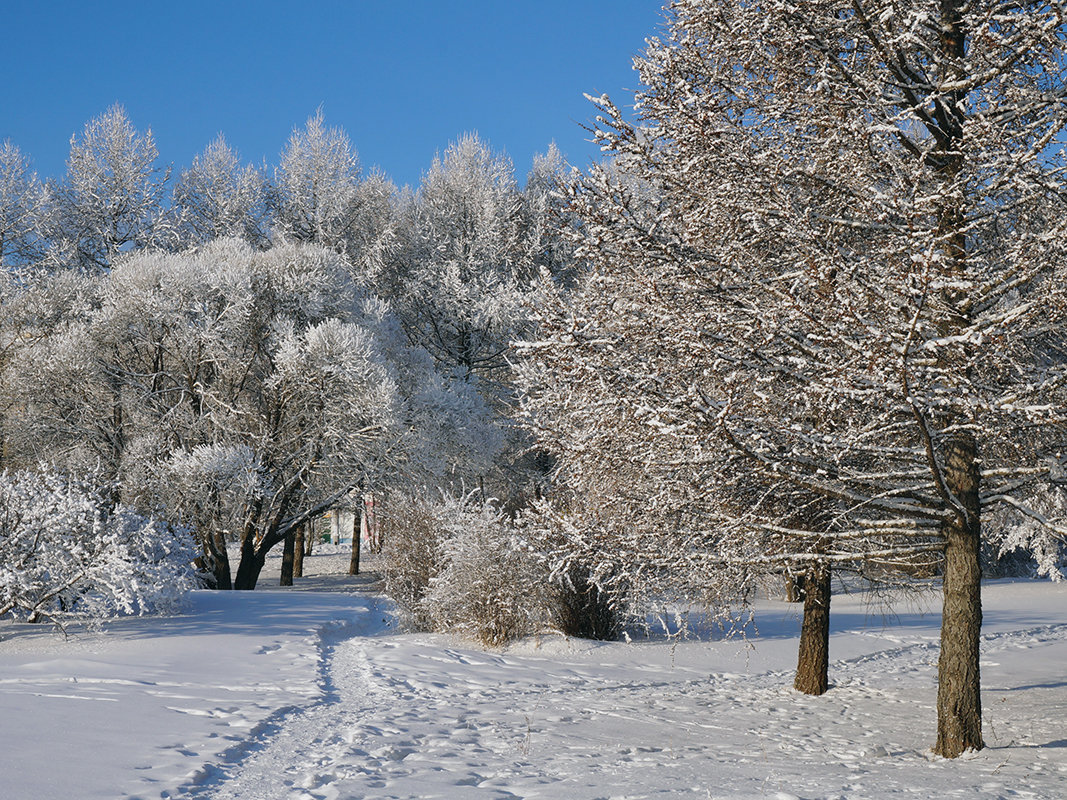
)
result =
(412, 536)
(459, 564)
(494, 586)
(65, 551)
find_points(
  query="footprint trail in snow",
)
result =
(407, 716)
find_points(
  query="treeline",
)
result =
(234, 352)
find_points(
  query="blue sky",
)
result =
(403, 78)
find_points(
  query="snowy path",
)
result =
(408, 716)
(310, 695)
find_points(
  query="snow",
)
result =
(313, 693)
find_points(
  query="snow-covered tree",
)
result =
(316, 185)
(217, 197)
(22, 209)
(835, 311)
(112, 199)
(545, 217)
(466, 264)
(458, 267)
(239, 392)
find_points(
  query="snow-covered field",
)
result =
(313, 693)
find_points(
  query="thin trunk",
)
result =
(813, 662)
(959, 696)
(288, 557)
(353, 564)
(298, 552)
(794, 588)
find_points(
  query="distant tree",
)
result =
(316, 185)
(217, 197)
(112, 199)
(546, 218)
(22, 209)
(467, 262)
(827, 283)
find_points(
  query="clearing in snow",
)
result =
(313, 693)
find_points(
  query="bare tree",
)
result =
(827, 276)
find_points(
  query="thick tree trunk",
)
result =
(353, 564)
(288, 558)
(251, 562)
(959, 697)
(813, 662)
(298, 552)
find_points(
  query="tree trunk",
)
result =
(298, 552)
(959, 696)
(288, 558)
(794, 588)
(251, 561)
(221, 563)
(813, 662)
(353, 564)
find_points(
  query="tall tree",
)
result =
(22, 209)
(842, 283)
(112, 199)
(467, 261)
(217, 197)
(316, 185)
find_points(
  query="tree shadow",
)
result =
(264, 612)
(1055, 685)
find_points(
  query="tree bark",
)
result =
(813, 661)
(794, 588)
(288, 558)
(221, 563)
(251, 561)
(353, 564)
(298, 552)
(959, 696)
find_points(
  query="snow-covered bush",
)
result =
(412, 536)
(458, 564)
(64, 551)
(494, 586)
(588, 598)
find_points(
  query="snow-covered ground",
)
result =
(313, 693)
